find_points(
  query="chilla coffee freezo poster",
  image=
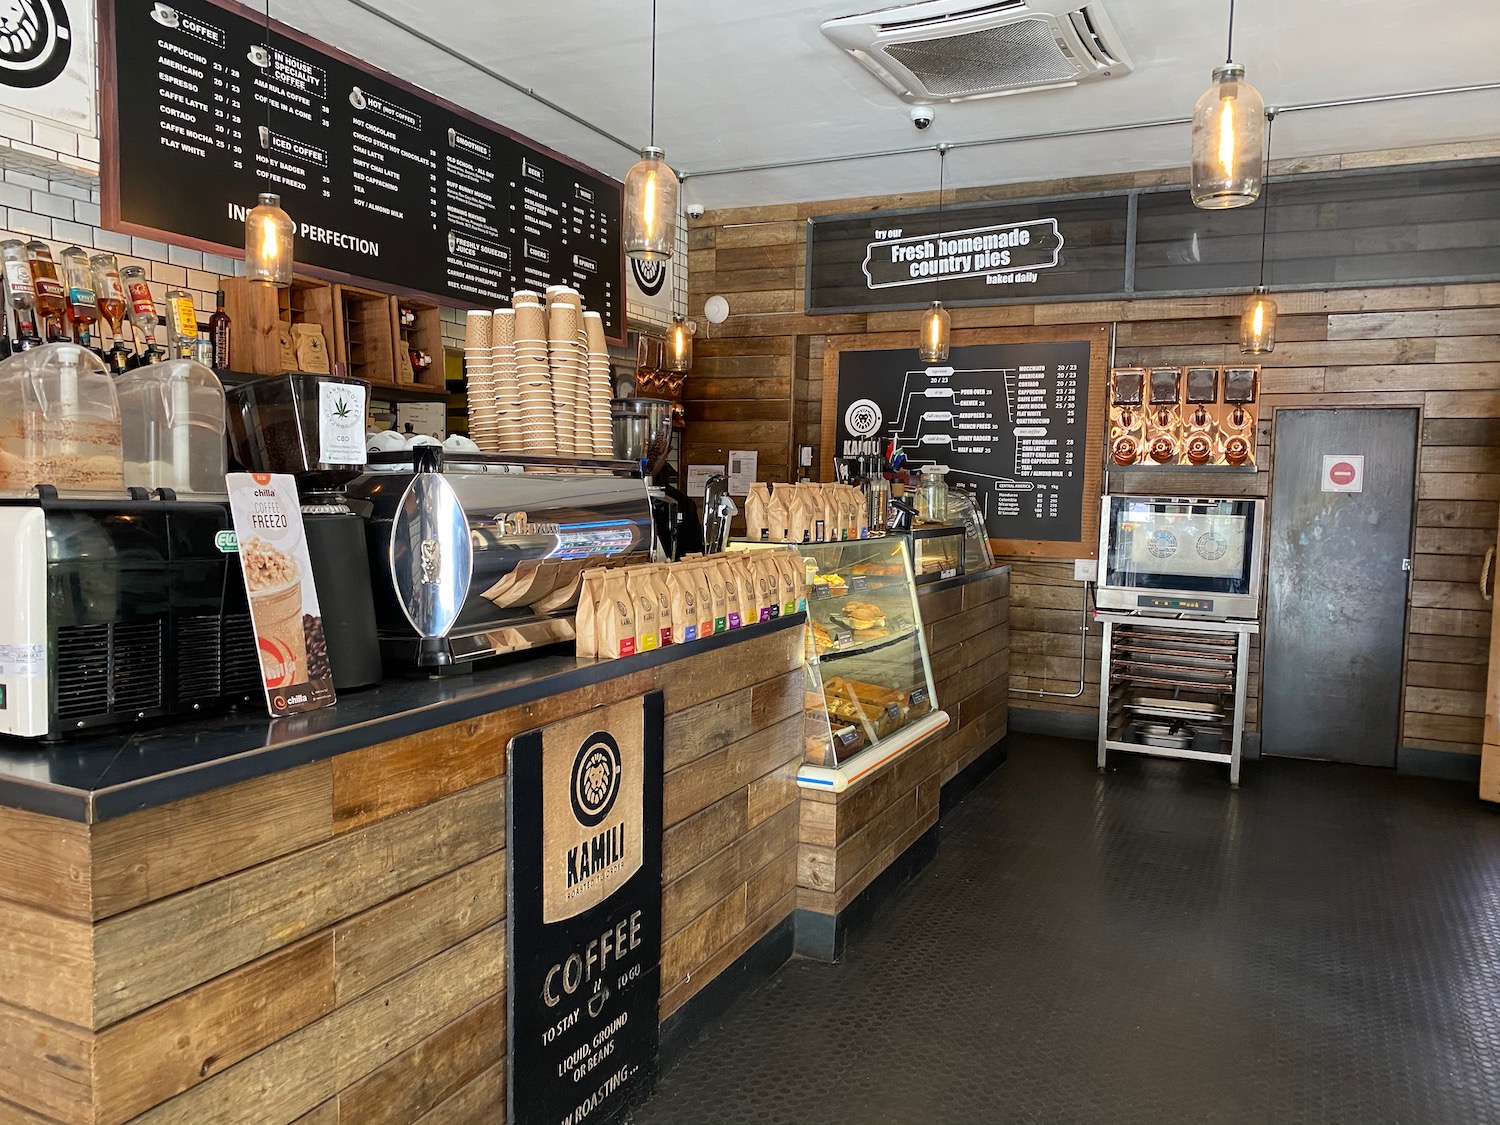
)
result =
(283, 598)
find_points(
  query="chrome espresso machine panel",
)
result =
(532, 533)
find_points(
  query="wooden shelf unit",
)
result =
(258, 312)
(365, 335)
(426, 335)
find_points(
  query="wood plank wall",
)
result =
(1436, 348)
(849, 838)
(327, 945)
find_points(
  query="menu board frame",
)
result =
(109, 163)
(1086, 546)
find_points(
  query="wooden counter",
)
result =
(884, 827)
(325, 943)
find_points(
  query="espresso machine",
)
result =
(476, 555)
(642, 430)
(123, 601)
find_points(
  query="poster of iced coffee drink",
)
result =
(283, 599)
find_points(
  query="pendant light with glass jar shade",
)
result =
(651, 191)
(937, 325)
(268, 229)
(1258, 319)
(1228, 134)
(680, 345)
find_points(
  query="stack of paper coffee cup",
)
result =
(533, 375)
(600, 388)
(507, 383)
(569, 367)
(483, 409)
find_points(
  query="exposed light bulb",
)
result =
(1258, 324)
(680, 345)
(936, 329)
(1229, 122)
(268, 242)
(651, 208)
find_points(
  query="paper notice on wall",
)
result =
(697, 478)
(744, 464)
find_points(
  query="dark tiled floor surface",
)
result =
(1148, 947)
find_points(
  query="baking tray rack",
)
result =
(1150, 666)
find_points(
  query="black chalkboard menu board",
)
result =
(385, 182)
(1009, 420)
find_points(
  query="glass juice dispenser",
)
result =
(174, 427)
(59, 422)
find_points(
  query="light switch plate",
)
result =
(1085, 570)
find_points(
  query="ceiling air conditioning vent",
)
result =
(956, 50)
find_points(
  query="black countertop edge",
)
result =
(284, 744)
(962, 579)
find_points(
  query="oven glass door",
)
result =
(1203, 546)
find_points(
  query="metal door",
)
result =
(1337, 581)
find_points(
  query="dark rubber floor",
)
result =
(1151, 947)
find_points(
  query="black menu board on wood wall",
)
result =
(1009, 420)
(386, 183)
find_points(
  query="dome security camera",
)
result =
(921, 116)
(695, 210)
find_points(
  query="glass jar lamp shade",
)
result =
(680, 345)
(1229, 125)
(268, 242)
(651, 208)
(937, 326)
(1258, 324)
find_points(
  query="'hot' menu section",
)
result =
(382, 183)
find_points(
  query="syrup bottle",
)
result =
(51, 302)
(83, 303)
(20, 295)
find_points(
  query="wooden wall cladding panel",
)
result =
(47, 964)
(476, 1104)
(698, 680)
(430, 1072)
(46, 863)
(726, 872)
(298, 1073)
(47, 1071)
(173, 1046)
(716, 775)
(156, 951)
(384, 942)
(383, 780)
(157, 852)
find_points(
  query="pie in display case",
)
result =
(870, 695)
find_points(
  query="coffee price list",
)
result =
(1008, 421)
(383, 182)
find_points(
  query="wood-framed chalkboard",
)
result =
(1017, 414)
(200, 110)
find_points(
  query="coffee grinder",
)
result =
(312, 426)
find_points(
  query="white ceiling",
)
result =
(752, 81)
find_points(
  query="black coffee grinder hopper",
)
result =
(273, 428)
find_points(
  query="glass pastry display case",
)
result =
(870, 694)
(938, 551)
